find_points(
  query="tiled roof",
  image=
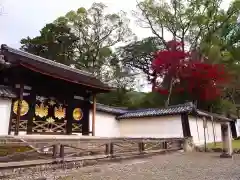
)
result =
(171, 110)
(111, 110)
(41, 59)
(177, 109)
(7, 92)
(52, 68)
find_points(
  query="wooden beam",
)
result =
(69, 115)
(185, 125)
(204, 133)
(19, 109)
(93, 114)
(213, 128)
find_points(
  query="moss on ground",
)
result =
(8, 150)
(235, 144)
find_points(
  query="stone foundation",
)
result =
(227, 141)
(188, 145)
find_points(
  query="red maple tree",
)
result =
(200, 80)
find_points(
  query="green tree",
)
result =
(137, 56)
(118, 98)
(224, 48)
(84, 39)
(97, 32)
(55, 42)
(226, 51)
(195, 23)
(149, 100)
(189, 21)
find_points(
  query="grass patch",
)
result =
(235, 144)
(8, 150)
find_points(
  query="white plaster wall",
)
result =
(5, 110)
(237, 124)
(158, 127)
(195, 125)
(210, 131)
(105, 125)
(218, 132)
(197, 130)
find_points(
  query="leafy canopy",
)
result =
(201, 81)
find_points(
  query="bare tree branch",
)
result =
(151, 26)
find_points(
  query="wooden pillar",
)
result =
(69, 126)
(69, 116)
(204, 133)
(32, 103)
(93, 115)
(213, 128)
(185, 125)
(85, 121)
(188, 144)
(226, 140)
(19, 109)
(61, 151)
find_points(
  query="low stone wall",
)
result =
(37, 172)
(33, 149)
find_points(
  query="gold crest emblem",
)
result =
(41, 110)
(60, 112)
(77, 114)
(24, 109)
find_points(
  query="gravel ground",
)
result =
(177, 166)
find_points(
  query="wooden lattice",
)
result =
(22, 125)
(76, 127)
(45, 126)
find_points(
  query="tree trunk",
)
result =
(170, 93)
(175, 39)
(154, 82)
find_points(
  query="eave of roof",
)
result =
(7, 92)
(171, 110)
(54, 69)
(111, 109)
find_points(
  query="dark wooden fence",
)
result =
(17, 152)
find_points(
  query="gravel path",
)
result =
(178, 166)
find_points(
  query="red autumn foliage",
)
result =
(168, 62)
(162, 91)
(200, 80)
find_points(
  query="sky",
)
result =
(22, 18)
